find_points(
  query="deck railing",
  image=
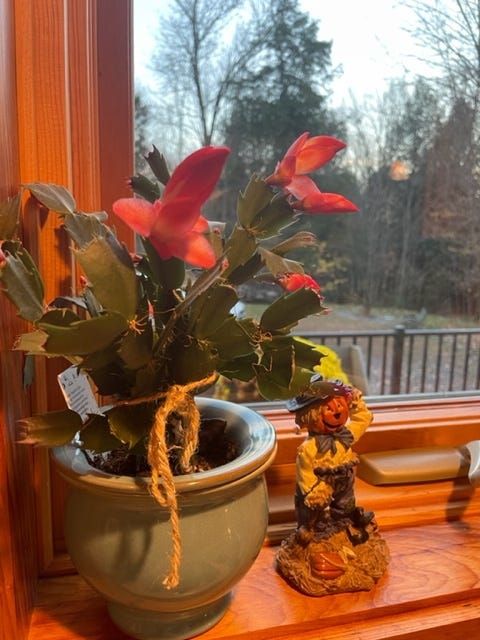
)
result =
(404, 360)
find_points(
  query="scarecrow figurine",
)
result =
(336, 546)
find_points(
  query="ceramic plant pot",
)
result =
(119, 538)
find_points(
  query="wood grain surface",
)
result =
(18, 569)
(432, 586)
(64, 64)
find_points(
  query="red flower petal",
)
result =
(197, 175)
(302, 187)
(176, 217)
(201, 225)
(297, 146)
(193, 248)
(294, 281)
(325, 203)
(303, 156)
(286, 168)
(284, 172)
(316, 152)
(174, 224)
(139, 214)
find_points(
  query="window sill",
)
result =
(432, 529)
(432, 585)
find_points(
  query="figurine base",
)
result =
(332, 565)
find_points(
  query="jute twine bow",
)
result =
(178, 398)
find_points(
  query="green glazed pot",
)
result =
(119, 538)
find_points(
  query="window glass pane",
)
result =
(399, 83)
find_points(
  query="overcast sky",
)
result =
(370, 40)
(369, 37)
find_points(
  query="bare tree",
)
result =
(203, 47)
(390, 142)
(448, 33)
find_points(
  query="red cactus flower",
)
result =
(174, 224)
(304, 155)
(315, 201)
(294, 281)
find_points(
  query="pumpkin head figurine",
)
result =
(329, 522)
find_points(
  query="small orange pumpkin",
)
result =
(327, 565)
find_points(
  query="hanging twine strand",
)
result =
(178, 399)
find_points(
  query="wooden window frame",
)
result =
(73, 88)
(66, 78)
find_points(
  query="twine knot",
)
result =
(178, 399)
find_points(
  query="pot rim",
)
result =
(254, 434)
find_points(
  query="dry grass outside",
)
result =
(344, 317)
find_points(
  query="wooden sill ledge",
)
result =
(432, 586)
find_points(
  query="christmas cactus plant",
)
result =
(150, 330)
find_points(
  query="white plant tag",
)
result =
(77, 392)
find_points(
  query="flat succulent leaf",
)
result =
(299, 381)
(216, 238)
(61, 317)
(61, 301)
(277, 265)
(145, 188)
(231, 340)
(52, 429)
(93, 306)
(210, 310)
(101, 359)
(276, 216)
(286, 367)
(205, 281)
(251, 328)
(135, 347)
(240, 251)
(287, 310)
(32, 343)
(9, 217)
(28, 371)
(191, 360)
(111, 274)
(298, 241)
(108, 374)
(278, 359)
(241, 368)
(168, 274)
(81, 337)
(22, 281)
(307, 354)
(96, 435)
(146, 381)
(246, 271)
(158, 165)
(54, 197)
(252, 201)
(278, 375)
(131, 423)
(270, 388)
(84, 227)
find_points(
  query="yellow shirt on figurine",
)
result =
(329, 420)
